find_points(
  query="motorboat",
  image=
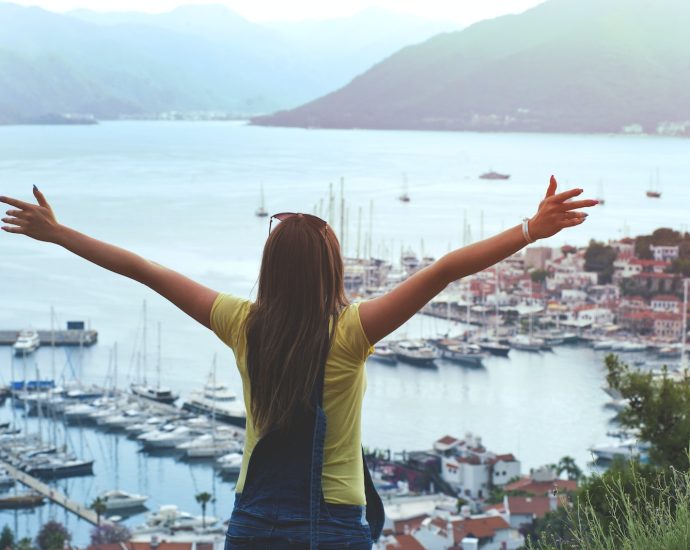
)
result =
(164, 439)
(219, 406)
(629, 347)
(27, 342)
(159, 394)
(122, 500)
(123, 420)
(494, 347)
(459, 352)
(627, 449)
(494, 176)
(79, 412)
(54, 466)
(169, 517)
(415, 352)
(230, 463)
(384, 354)
(524, 342)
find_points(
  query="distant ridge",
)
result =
(201, 59)
(563, 66)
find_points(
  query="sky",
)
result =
(461, 11)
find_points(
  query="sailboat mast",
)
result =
(158, 360)
(684, 334)
(144, 344)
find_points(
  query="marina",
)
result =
(58, 337)
(541, 405)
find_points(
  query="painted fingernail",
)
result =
(35, 188)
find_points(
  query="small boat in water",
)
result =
(494, 176)
(261, 211)
(384, 354)
(524, 342)
(170, 518)
(28, 500)
(122, 500)
(627, 450)
(27, 342)
(415, 352)
(494, 347)
(459, 352)
(230, 463)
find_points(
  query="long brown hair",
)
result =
(291, 325)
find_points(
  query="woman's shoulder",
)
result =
(228, 313)
(350, 335)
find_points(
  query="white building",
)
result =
(664, 253)
(598, 316)
(666, 303)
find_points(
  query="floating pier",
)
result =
(57, 497)
(71, 337)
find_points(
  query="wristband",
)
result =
(525, 231)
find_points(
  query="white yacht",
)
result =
(415, 352)
(27, 342)
(121, 500)
(524, 342)
(230, 463)
(159, 394)
(383, 353)
(628, 449)
(166, 439)
(171, 518)
(219, 403)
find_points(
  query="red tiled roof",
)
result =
(480, 528)
(532, 506)
(541, 487)
(405, 542)
(506, 457)
(447, 440)
(411, 523)
(649, 263)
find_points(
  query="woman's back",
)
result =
(344, 387)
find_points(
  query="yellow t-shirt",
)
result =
(344, 386)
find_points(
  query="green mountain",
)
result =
(194, 58)
(565, 65)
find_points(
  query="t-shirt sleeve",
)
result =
(228, 313)
(355, 341)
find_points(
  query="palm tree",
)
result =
(567, 465)
(98, 506)
(203, 498)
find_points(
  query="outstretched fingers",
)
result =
(40, 198)
(16, 202)
(565, 195)
(14, 221)
(573, 205)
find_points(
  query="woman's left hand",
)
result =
(33, 220)
(557, 212)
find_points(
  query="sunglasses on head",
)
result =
(314, 220)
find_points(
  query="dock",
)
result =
(57, 497)
(72, 337)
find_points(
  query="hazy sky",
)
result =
(463, 11)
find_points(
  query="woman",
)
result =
(300, 349)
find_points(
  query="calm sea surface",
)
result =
(184, 194)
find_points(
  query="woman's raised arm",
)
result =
(381, 316)
(38, 222)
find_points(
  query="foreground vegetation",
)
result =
(633, 506)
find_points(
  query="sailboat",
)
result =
(654, 191)
(261, 211)
(158, 393)
(404, 197)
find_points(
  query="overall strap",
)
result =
(315, 491)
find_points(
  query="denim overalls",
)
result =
(282, 506)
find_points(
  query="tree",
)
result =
(25, 544)
(98, 506)
(658, 407)
(6, 538)
(599, 258)
(105, 534)
(682, 266)
(203, 498)
(52, 536)
(539, 275)
(567, 465)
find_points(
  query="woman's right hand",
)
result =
(557, 212)
(33, 220)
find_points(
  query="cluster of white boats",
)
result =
(471, 352)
